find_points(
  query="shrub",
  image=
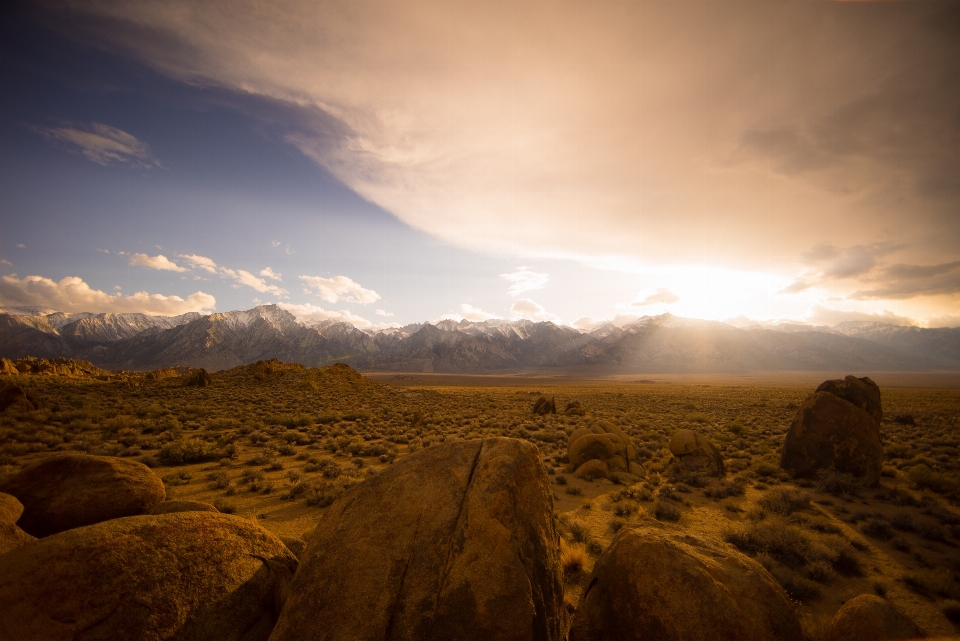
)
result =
(193, 450)
(225, 506)
(573, 559)
(784, 501)
(573, 490)
(838, 484)
(877, 528)
(322, 494)
(664, 511)
(561, 479)
(579, 532)
(925, 478)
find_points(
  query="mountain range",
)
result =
(653, 344)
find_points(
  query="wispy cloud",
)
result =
(200, 262)
(308, 312)
(240, 276)
(72, 294)
(103, 144)
(524, 280)
(531, 310)
(661, 295)
(382, 312)
(156, 262)
(340, 288)
(467, 312)
(266, 272)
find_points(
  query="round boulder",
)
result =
(192, 575)
(829, 432)
(12, 537)
(696, 453)
(455, 541)
(593, 469)
(72, 490)
(169, 507)
(862, 392)
(870, 618)
(294, 544)
(649, 584)
(10, 508)
(592, 446)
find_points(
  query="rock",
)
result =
(593, 469)
(192, 575)
(455, 541)
(10, 508)
(624, 478)
(161, 374)
(870, 618)
(294, 544)
(8, 367)
(170, 507)
(573, 409)
(544, 406)
(829, 432)
(16, 398)
(696, 452)
(862, 392)
(649, 584)
(200, 378)
(71, 490)
(592, 446)
(11, 538)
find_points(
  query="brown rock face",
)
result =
(593, 469)
(592, 446)
(696, 452)
(170, 507)
(200, 378)
(602, 441)
(10, 508)
(862, 392)
(12, 537)
(545, 406)
(72, 490)
(652, 585)
(15, 398)
(8, 367)
(454, 542)
(828, 431)
(193, 575)
(870, 618)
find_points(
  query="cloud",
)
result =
(796, 287)
(524, 280)
(530, 310)
(6, 262)
(72, 294)
(156, 262)
(266, 272)
(820, 315)
(103, 145)
(200, 262)
(381, 312)
(340, 287)
(21, 246)
(313, 313)
(903, 281)
(662, 295)
(467, 312)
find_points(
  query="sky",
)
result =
(388, 162)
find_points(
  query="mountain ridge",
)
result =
(653, 344)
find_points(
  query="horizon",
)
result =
(387, 165)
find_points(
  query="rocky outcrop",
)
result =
(456, 541)
(574, 409)
(862, 392)
(170, 507)
(72, 490)
(10, 508)
(294, 544)
(200, 378)
(870, 618)
(194, 575)
(605, 442)
(545, 406)
(696, 452)
(831, 432)
(12, 537)
(15, 398)
(8, 367)
(649, 584)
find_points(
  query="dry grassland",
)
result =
(277, 443)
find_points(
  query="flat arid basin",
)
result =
(277, 444)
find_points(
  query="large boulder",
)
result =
(72, 490)
(15, 398)
(170, 507)
(602, 441)
(8, 367)
(200, 378)
(592, 470)
(10, 508)
(862, 392)
(192, 575)
(592, 446)
(696, 452)
(870, 618)
(12, 537)
(649, 584)
(829, 432)
(456, 541)
(545, 406)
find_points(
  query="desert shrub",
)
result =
(664, 511)
(900, 543)
(932, 582)
(322, 494)
(193, 450)
(902, 521)
(561, 479)
(573, 559)
(784, 501)
(669, 492)
(624, 509)
(226, 507)
(726, 488)
(877, 528)
(798, 587)
(573, 490)
(838, 484)
(932, 531)
(219, 480)
(925, 478)
(736, 427)
(579, 532)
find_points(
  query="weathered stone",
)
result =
(649, 584)
(870, 618)
(453, 542)
(12, 537)
(574, 409)
(8, 367)
(10, 508)
(200, 378)
(192, 575)
(294, 544)
(592, 446)
(72, 490)
(170, 507)
(696, 452)
(15, 398)
(862, 392)
(829, 432)
(545, 406)
(593, 469)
